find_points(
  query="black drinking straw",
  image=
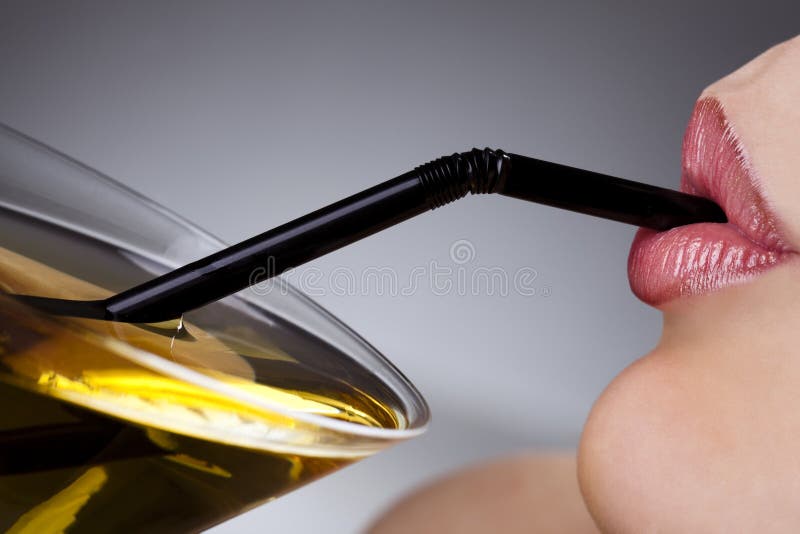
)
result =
(425, 188)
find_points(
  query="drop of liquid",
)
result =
(174, 328)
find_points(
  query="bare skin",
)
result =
(700, 435)
(520, 494)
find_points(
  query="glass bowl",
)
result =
(163, 427)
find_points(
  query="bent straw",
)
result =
(425, 188)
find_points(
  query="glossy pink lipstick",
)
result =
(698, 258)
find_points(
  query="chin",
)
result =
(702, 433)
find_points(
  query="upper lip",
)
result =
(725, 175)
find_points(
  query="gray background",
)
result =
(243, 115)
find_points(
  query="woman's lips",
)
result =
(698, 258)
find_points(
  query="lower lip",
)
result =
(694, 259)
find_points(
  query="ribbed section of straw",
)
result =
(449, 178)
